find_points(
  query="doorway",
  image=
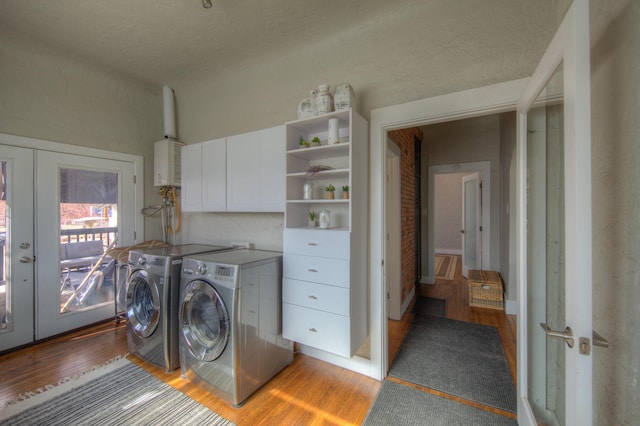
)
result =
(61, 208)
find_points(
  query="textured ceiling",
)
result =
(160, 40)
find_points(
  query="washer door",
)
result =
(204, 320)
(143, 303)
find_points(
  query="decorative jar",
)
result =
(308, 106)
(324, 99)
(344, 98)
(324, 217)
(307, 191)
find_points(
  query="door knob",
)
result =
(25, 259)
(566, 335)
(462, 231)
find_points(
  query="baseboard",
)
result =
(407, 301)
(448, 251)
(428, 279)
(511, 307)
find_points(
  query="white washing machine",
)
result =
(231, 322)
(152, 300)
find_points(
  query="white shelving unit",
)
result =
(325, 270)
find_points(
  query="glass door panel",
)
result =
(546, 252)
(88, 225)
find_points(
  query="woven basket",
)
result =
(485, 289)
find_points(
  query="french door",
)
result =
(84, 205)
(471, 223)
(59, 215)
(16, 247)
(554, 232)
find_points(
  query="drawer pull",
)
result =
(313, 244)
(313, 270)
(311, 296)
(313, 330)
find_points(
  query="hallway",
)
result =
(456, 294)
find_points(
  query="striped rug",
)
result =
(446, 266)
(119, 393)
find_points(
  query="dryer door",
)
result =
(204, 321)
(143, 303)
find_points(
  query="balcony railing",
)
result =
(89, 234)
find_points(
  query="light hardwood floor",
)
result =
(308, 392)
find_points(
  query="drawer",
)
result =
(316, 269)
(321, 330)
(317, 296)
(322, 243)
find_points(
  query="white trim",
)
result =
(408, 300)
(137, 160)
(454, 252)
(511, 307)
(486, 100)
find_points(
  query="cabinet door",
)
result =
(191, 190)
(214, 175)
(255, 171)
(243, 158)
(272, 170)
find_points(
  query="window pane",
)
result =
(88, 225)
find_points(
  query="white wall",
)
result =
(615, 93)
(46, 94)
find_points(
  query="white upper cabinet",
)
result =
(204, 176)
(242, 173)
(255, 171)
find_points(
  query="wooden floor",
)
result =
(308, 392)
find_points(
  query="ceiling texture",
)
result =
(160, 40)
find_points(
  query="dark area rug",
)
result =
(400, 405)
(430, 306)
(458, 358)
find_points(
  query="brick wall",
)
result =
(404, 139)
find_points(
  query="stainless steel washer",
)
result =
(152, 301)
(230, 322)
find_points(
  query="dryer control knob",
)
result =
(202, 269)
(142, 261)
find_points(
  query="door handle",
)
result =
(25, 259)
(566, 335)
(462, 231)
(598, 340)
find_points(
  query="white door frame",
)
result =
(482, 167)
(494, 99)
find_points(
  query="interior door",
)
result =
(16, 246)
(393, 228)
(471, 223)
(554, 232)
